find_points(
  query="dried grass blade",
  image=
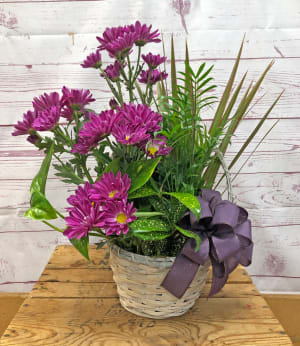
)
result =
(219, 112)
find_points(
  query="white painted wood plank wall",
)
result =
(42, 43)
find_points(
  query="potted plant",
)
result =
(144, 171)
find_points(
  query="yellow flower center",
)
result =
(121, 218)
(111, 195)
(93, 204)
(152, 150)
(127, 138)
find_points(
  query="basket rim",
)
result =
(133, 257)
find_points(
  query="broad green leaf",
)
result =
(82, 245)
(144, 191)
(140, 172)
(190, 234)
(150, 229)
(147, 213)
(152, 235)
(177, 210)
(113, 166)
(149, 225)
(189, 200)
(39, 181)
(158, 204)
(40, 209)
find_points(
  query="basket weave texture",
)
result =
(138, 280)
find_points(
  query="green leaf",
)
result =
(251, 136)
(39, 181)
(173, 70)
(100, 245)
(150, 229)
(67, 171)
(82, 245)
(40, 209)
(144, 191)
(113, 166)
(223, 102)
(148, 236)
(177, 210)
(140, 172)
(147, 213)
(189, 200)
(190, 234)
(158, 205)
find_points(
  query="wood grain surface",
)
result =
(42, 51)
(66, 309)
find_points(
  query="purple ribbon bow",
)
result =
(226, 240)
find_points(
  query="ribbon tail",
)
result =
(218, 282)
(180, 276)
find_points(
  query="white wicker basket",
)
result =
(138, 280)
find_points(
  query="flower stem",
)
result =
(130, 80)
(120, 92)
(137, 65)
(109, 83)
(97, 235)
(147, 87)
(52, 226)
(86, 171)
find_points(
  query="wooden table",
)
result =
(75, 302)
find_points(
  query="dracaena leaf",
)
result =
(189, 200)
(190, 234)
(144, 191)
(150, 229)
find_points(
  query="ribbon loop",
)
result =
(226, 239)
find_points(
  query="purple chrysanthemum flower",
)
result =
(84, 215)
(94, 130)
(82, 146)
(110, 188)
(112, 71)
(143, 33)
(116, 216)
(47, 119)
(74, 100)
(93, 60)
(24, 127)
(110, 35)
(129, 135)
(46, 101)
(153, 60)
(122, 46)
(155, 76)
(139, 115)
(157, 147)
(81, 195)
(48, 110)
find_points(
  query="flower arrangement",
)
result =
(144, 168)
